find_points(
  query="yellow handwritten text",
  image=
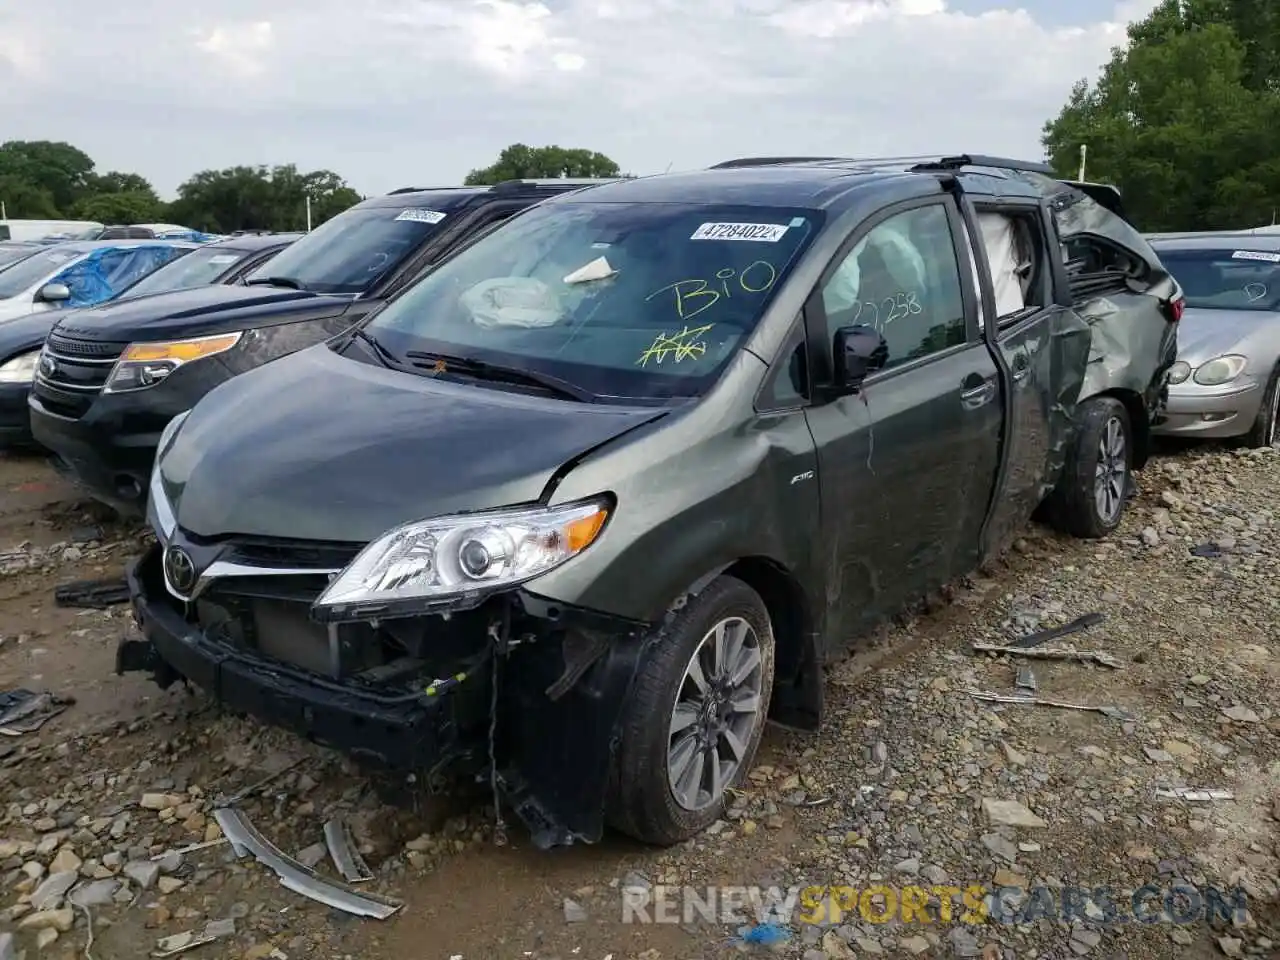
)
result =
(694, 296)
(684, 345)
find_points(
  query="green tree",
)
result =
(521, 162)
(58, 169)
(125, 207)
(259, 198)
(1185, 119)
(24, 200)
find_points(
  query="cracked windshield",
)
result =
(623, 300)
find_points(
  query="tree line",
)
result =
(1185, 118)
(47, 180)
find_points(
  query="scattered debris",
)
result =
(1194, 795)
(1026, 680)
(181, 943)
(191, 848)
(22, 711)
(344, 852)
(92, 594)
(1054, 633)
(1208, 551)
(255, 787)
(1115, 713)
(245, 839)
(1083, 656)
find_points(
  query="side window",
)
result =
(903, 280)
(788, 382)
(1098, 267)
(1017, 252)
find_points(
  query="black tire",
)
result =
(1073, 507)
(641, 803)
(1264, 431)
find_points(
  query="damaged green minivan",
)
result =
(581, 509)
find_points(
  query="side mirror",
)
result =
(859, 351)
(54, 293)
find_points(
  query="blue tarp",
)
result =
(106, 273)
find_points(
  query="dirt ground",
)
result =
(910, 782)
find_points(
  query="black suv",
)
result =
(589, 502)
(110, 378)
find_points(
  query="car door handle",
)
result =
(1021, 368)
(975, 397)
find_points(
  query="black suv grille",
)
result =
(81, 368)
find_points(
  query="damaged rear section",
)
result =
(520, 694)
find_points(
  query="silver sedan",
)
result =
(1226, 383)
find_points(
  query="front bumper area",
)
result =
(15, 417)
(106, 451)
(1210, 412)
(555, 742)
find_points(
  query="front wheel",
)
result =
(1264, 429)
(1091, 495)
(696, 716)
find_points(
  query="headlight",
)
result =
(458, 557)
(1179, 372)
(1220, 370)
(144, 365)
(20, 369)
(158, 506)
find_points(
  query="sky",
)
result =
(395, 93)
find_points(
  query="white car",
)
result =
(81, 273)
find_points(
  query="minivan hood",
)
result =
(25, 333)
(1204, 334)
(19, 306)
(199, 311)
(316, 446)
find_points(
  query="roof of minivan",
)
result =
(1226, 240)
(456, 196)
(811, 184)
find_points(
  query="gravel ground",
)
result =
(913, 781)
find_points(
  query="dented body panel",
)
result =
(836, 508)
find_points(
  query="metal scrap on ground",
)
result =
(1193, 795)
(1115, 713)
(1082, 656)
(344, 852)
(245, 839)
(24, 711)
(93, 594)
(1055, 633)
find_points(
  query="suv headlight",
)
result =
(1179, 372)
(1220, 370)
(143, 365)
(21, 369)
(450, 558)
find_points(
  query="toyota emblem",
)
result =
(180, 569)
(47, 365)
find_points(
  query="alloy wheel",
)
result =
(1112, 471)
(716, 713)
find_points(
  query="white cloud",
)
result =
(395, 92)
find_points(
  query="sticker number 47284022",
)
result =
(1256, 255)
(421, 216)
(758, 232)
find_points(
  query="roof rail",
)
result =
(768, 161)
(917, 162)
(406, 190)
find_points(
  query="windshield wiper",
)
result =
(500, 373)
(384, 356)
(289, 282)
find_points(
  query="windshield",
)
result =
(26, 273)
(9, 255)
(1224, 279)
(351, 252)
(620, 299)
(197, 269)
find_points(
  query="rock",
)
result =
(574, 911)
(1158, 756)
(1231, 946)
(1007, 878)
(46, 937)
(61, 919)
(1003, 848)
(1010, 813)
(915, 945)
(313, 855)
(96, 894)
(167, 885)
(65, 862)
(8, 950)
(142, 872)
(171, 862)
(220, 928)
(154, 801)
(1241, 715)
(48, 896)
